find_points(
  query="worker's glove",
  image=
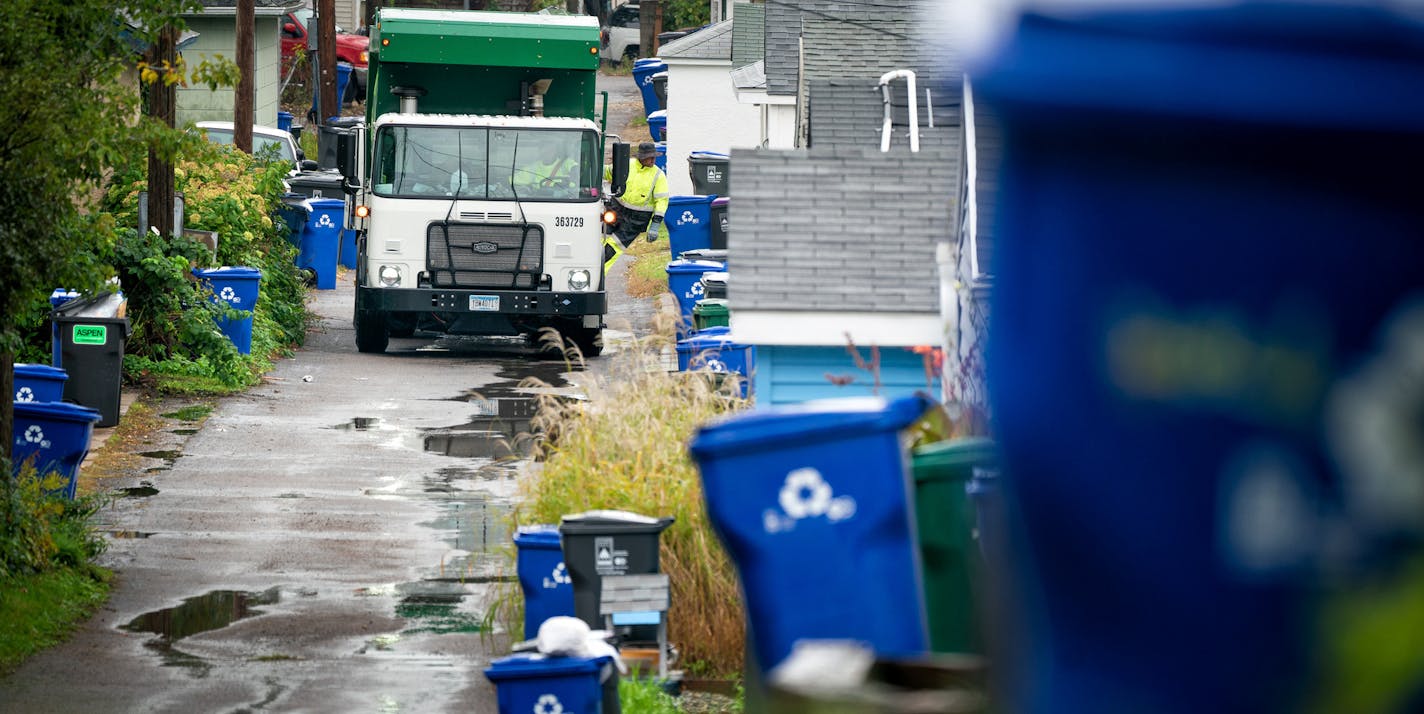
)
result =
(654, 227)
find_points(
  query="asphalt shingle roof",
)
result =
(783, 32)
(849, 230)
(748, 33)
(709, 43)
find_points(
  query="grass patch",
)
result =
(623, 449)
(192, 412)
(622, 68)
(39, 610)
(645, 696)
(647, 276)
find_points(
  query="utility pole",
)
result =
(162, 105)
(329, 105)
(648, 13)
(243, 112)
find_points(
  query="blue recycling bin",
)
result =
(343, 75)
(348, 249)
(321, 240)
(39, 383)
(713, 350)
(661, 160)
(53, 436)
(812, 503)
(238, 287)
(1189, 175)
(284, 121)
(543, 576)
(657, 125)
(57, 298)
(689, 223)
(643, 71)
(526, 683)
(685, 284)
(294, 213)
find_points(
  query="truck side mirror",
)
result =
(621, 154)
(346, 148)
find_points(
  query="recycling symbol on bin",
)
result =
(229, 295)
(548, 704)
(559, 577)
(717, 365)
(25, 395)
(34, 435)
(805, 494)
(325, 221)
(687, 218)
(695, 291)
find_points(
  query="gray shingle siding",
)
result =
(714, 43)
(783, 34)
(748, 34)
(989, 147)
(851, 113)
(849, 230)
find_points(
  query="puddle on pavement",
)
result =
(501, 428)
(429, 606)
(143, 491)
(185, 432)
(472, 524)
(169, 456)
(124, 535)
(360, 424)
(203, 613)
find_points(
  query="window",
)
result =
(487, 163)
(626, 16)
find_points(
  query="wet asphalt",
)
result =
(328, 541)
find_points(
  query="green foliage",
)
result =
(1371, 651)
(216, 71)
(645, 696)
(41, 532)
(685, 14)
(36, 611)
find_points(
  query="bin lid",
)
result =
(229, 272)
(530, 666)
(952, 459)
(711, 306)
(659, 115)
(618, 520)
(716, 277)
(809, 421)
(716, 255)
(687, 200)
(662, 73)
(709, 155)
(103, 305)
(694, 266)
(320, 179)
(721, 201)
(707, 339)
(540, 536)
(39, 371)
(56, 411)
(316, 203)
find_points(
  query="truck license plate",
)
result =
(484, 303)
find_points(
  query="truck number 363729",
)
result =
(568, 221)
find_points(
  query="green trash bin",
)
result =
(710, 312)
(945, 520)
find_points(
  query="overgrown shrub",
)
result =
(625, 449)
(40, 532)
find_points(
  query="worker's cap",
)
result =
(647, 150)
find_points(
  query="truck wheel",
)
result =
(588, 340)
(630, 53)
(371, 333)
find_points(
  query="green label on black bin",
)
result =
(90, 334)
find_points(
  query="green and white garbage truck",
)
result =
(479, 188)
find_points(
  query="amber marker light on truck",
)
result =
(610, 216)
(363, 211)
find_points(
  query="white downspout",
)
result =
(909, 77)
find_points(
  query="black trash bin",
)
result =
(719, 222)
(318, 184)
(327, 139)
(660, 88)
(709, 171)
(92, 334)
(714, 285)
(599, 543)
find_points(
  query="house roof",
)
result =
(851, 112)
(752, 76)
(709, 43)
(748, 34)
(846, 230)
(783, 31)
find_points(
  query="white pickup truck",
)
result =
(621, 38)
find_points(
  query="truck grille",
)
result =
(470, 255)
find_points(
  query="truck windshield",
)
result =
(487, 163)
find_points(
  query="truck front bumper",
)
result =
(489, 302)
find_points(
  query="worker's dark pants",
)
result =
(631, 222)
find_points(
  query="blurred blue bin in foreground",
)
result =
(238, 287)
(321, 240)
(536, 684)
(812, 503)
(1235, 182)
(53, 436)
(543, 576)
(39, 383)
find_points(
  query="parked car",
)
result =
(263, 138)
(621, 38)
(350, 48)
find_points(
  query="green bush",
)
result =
(40, 532)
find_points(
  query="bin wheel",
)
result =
(371, 335)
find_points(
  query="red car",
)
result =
(352, 49)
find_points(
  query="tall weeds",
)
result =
(625, 448)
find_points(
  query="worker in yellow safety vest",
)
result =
(644, 199)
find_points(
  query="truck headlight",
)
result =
(389, 275)
(579, 279)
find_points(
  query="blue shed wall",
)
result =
(796, 374)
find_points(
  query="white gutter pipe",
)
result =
(909, 77)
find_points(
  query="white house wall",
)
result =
(218, 36)
(704, 115)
